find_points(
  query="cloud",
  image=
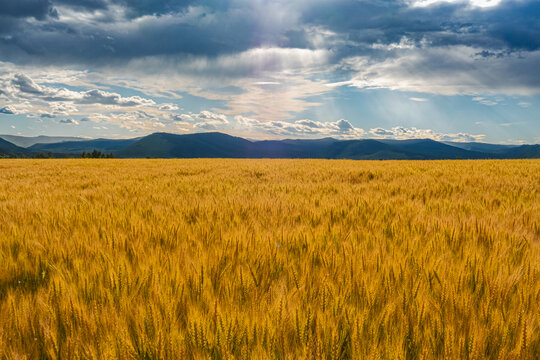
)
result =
(255, 62)
(63, 108)
(85, 5)
(404, 133)
(262, 83)
(206, 126)
(37, 9)
(208, 116)
(381, 132)
(139, 122)
(113, 33)
(121, 31)
(181, 117)
(107, 98)
(343, 129)
(8, 110)
(302, 128)
(23, 86)
(206, 120)
(15, 109)
(168, 107)
(345, 126)
(26, 85)
(417, 99)
(404, 43)
(287, 95)
(69, 121)
(58, 109)
(452, 70)
(277, 102)
(473, 3)
(484, 101)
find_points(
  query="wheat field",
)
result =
(269, 259)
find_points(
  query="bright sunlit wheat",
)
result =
(269, 259)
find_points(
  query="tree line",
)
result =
(96, 154)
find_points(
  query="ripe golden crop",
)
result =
(269, 259)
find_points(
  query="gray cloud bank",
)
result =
(221, 37)
(22, 86)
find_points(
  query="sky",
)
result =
(454, 70)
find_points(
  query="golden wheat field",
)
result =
(269, 259)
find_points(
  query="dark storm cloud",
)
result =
(516, 26)
(198, 32)
(84, 4)
(210, 28)
(94, 33)
(146, 7)
(25, 8)
(512, 24)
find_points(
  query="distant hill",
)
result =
(77, 147)
(164, 145)
(7, 149)
(26, 141)
(431, 149)
(293, 148)
(523, 152)
(481, 147)
(218, 145)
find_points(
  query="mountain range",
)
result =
(26, 141)
(219, 145)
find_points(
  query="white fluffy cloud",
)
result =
(210, 121)
(403, 133)
(168, 107)
(343, 129)
(69, 121)
(22, 86)
(206, 120)
(303, 128)
(15, 109)
(208, 116)
(57, 109)
(8, 110)
(136, 122)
